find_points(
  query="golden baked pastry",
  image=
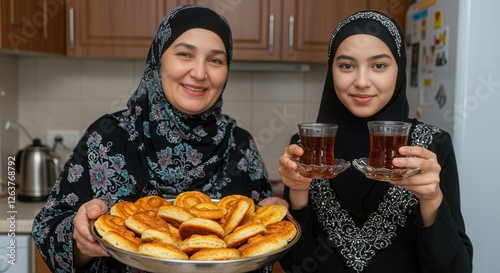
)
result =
(228, 201)
(241, 234)
(198, 242)
(162, 234)
(175, 215)
(144, 220)
(161, 250)
(151, 202)
(124, 209)
(216, 254)
(283, 228)
(200, 226)
(269, 214)
(234, 216)
(264, 245)
(208, 211)
(106, 223)
(189, 199)
(118, 240)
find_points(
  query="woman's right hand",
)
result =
(298, 184)
(87, 246)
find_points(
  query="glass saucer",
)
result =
(382, 174)
(322, 172)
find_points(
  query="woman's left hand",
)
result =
(425, 184)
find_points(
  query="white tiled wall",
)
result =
(66, 93)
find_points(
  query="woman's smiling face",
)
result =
(194, 71)
(364, 74)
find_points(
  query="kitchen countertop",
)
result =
(19, 218)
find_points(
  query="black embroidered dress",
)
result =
(151, 148)
(354, 224)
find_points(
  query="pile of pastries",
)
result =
(194, 228)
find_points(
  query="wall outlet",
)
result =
(69, 137)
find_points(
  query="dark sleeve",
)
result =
(53, 226)
(85, 176)
(445, 246)
(247, 169)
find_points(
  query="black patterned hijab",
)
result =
(186, 151)
(356, 192)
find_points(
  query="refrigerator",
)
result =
(454, 83)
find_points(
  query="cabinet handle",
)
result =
(290, 35)
(271, 35)
(71, 15)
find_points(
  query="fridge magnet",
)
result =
(426, 3)
(416, 32)
(414, 64)
(441, 96)
(438, 19)
(441, 38)
(426, 92)
(428, 59)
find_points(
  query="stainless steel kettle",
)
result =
(38, 169)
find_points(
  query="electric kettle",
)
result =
(38, 169)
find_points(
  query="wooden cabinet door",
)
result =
(113, 28)
(307, 27)
(255, 26)
(32, 25)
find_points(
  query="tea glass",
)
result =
(386, 137)
(318, 160)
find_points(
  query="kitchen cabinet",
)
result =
(263, 30)
(288, 30)
(32, 25)
(112, 28)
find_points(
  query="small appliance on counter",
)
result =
(38, 168)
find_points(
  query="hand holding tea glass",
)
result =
(318, 160)
(386, 137)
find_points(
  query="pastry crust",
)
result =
(263, 245)
(208, 211)
(270, 214)
(216, 254)
(151, 202)
(228, 201)
(285, 229)
(144, 220)
(161, 250)
(124, 209)
(189, 199)
(200, 226)
(162, 234)
(121, 241)
(241, 234)
(234, 216)
(198, 242)
(106, 223)
(175, 215)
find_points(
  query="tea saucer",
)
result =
(322, 172)
(382, 174)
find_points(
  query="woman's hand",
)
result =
(87, 246)
(299, 185)
(273, 201)
(424, 184)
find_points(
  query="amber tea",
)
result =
(386, 137)
(317, 140)
(383, 148)
(318, 150)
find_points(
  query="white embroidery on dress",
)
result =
(359, 245)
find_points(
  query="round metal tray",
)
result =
(158, 265)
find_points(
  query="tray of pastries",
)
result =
(194, 233)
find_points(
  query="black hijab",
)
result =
(358, 194)
(180, 151)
